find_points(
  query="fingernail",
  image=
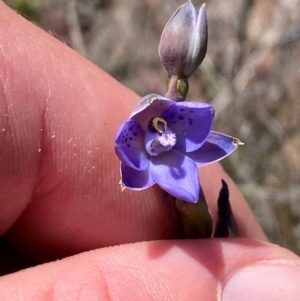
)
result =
(266, 280)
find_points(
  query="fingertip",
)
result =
(264, 280)
(57, 160)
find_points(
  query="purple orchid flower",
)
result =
(183, 43)
(163, 142)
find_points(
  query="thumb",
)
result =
(231, 269)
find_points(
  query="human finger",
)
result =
(229, 269)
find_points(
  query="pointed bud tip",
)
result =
(224, 184)
(123, 186)
(237, 142)
(202, 9)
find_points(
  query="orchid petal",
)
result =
(129, 145)
(177, 174)
(148, 107)
(192, 122)
(135, 179)
(216, 147)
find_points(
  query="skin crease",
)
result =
(60, 196)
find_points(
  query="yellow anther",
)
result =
(156, 124)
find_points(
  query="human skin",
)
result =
(59, 196)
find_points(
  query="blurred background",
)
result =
(251, 74)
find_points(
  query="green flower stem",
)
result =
(177, 88)
(193, 219)
(196, 220)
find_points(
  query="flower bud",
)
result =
(183, 43)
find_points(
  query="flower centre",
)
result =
(159, 138)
